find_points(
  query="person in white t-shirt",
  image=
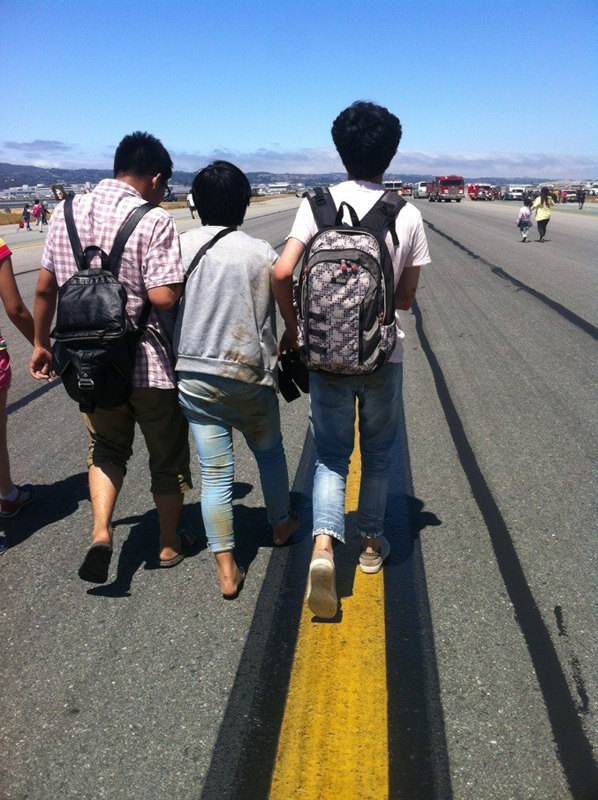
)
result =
(366, 137)
(191, 204)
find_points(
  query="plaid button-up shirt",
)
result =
(151, 258)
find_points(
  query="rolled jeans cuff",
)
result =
(370, 534)
(338, 535)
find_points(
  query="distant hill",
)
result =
(19, 175)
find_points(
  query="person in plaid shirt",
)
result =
(150, 268)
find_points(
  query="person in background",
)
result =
(524, 220)
(225, 343)
(580, 196)
(191, 204)
(27, 216)
(37, 214)
(541, 208)
(12, 497)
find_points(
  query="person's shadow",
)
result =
(50, 503)
(140, 548)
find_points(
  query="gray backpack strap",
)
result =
(204, 249)
(383, 215)
(322, 206)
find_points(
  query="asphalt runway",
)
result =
(152, 686)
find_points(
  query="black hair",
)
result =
(140, 155)
(221, 194)
(366, 137)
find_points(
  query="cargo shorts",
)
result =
(164, 428)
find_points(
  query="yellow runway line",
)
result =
(333, 743)
(27, 246)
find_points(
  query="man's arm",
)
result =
(406, 288)
(282, 287)
(164, 297)
(44, 305)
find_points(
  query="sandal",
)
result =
(95, 564)
(188, 542)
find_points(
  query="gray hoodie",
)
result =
(226, 323)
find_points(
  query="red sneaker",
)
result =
(10, 508)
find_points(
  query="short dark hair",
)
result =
(141, 154)
(366, 137)
(221, 194)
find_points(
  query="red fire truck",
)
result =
(480, 191)
(446, 188)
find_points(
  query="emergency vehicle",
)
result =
(480, 191)
(446, 188)
(394, 186)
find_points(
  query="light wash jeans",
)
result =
(214, 406)
(332, 420)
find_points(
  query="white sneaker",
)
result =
(371, 560)
(321, 585)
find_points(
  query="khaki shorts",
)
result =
(164, 428)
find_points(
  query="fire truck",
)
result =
(480, 191)
(446, 188)
(394, 186)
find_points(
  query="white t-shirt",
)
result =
(361, 195)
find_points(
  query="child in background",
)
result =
(12, 497)
(524, 220)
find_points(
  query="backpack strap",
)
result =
(72, 232)
(322, 206)
(383, 214)
(204, 249)
(123, 235)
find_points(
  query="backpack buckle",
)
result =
(85, 384)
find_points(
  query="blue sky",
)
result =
(481, 88)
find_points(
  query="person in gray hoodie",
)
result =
(226, 349)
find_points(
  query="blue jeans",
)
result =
(332, 420)
(214, 406)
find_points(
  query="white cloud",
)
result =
(47, 153)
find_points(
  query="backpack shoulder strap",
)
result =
(322, 206)
(384, 213)
(72, 232)
(123, 235)
(204, 249)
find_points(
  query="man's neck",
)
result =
(377, 179)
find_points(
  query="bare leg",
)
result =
(6, 484)
(169, 508)
(105, 483)
(229, 575)
(323, 542)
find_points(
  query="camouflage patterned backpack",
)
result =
(345, 290)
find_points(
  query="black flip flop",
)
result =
(188, 542)
(95, 564)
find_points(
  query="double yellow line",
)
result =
(333, 743)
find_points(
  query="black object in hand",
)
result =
(292, 376)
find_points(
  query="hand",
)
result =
(288, 341)
(40, 366)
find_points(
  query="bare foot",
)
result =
(102, 536)
(284, 531)
(230, 576)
